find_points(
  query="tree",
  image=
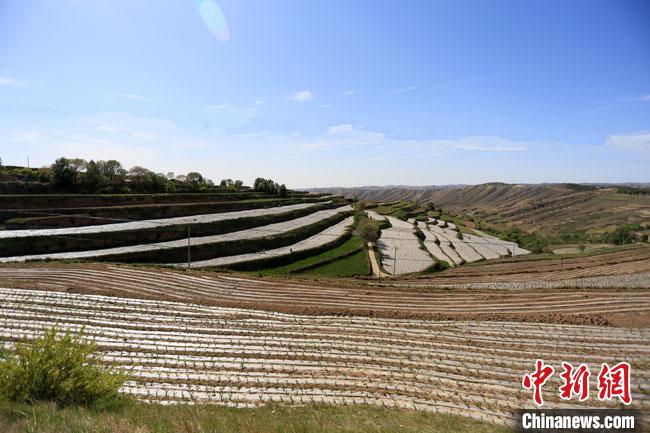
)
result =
(367, 229)
(194, 178)
(269, 186)
(113, 170)
(64, 174)
(92, 179)
(282, 190)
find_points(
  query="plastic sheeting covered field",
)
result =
(325, 237)
(155, 223)
(253, 233)
(176, 352)
(400, 249)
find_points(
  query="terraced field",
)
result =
(456, 341)
(261, 229)
(441, 239)
(400, 249)
(547, 209)
(602, 299)
(250, 234)
(177, 352)
(155, 223)
(319, 240)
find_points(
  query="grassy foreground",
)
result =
(144, 418)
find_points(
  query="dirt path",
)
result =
(376, 269)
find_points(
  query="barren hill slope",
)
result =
(550, 209)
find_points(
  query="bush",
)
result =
(59, 368)
(367, 229)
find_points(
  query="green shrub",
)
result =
(366, 228)
(441, 265)
(58, 367)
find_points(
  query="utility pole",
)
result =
(395, 262)
(189, 258)
(28, 162)
(514, 246)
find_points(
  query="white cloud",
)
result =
(349, 92)
(326, 106)
(251, 135)
(92, 147)
(338, 129)
(644, 98)
(136, 97)
(302, 96)
(377, 145)
(7, 81)
(228, 116)
(405, 89)
(638, 141)
(258, 102)
(489, 144)
(23, 137)
(143, 136)
(219, 107)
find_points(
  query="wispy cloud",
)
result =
(219, 107)
(377, 145)
(135, 97)
(638, 141)
(93, 147)
(405, 89)
(302, 96)
(339, 129)
(24, 137)
(489, 144)
(644, 98)
(326, 106)
(349, 92)
(8, 81)
(251, 134)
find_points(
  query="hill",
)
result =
(569, 211)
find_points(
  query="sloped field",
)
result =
(319, 240)
(400, 249)
(177, 352)
(592, 300)
(310, 224)
(155, 223)
(548, 209)
(440, 250)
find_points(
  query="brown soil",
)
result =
(593, 306)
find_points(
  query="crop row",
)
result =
(400, 249)
(177, 352)
(302, 226)
(154, 223)
(288, 295)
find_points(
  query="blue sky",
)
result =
(332, 93)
